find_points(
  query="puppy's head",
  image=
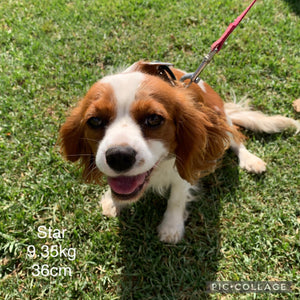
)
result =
(128, 123)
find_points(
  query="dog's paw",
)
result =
(252, 163)
(109, 208)
(170, 231)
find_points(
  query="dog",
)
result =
(144, 129)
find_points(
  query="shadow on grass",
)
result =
(153, 270)
(295, 5)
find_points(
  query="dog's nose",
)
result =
(120, 158)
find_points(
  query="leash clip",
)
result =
(194, 77)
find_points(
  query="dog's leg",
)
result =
(109, 206)
(247, 160)
(171, 229)
(241, 114)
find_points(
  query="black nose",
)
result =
(120, 158)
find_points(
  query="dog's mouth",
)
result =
(129, 188)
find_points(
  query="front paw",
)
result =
(109, 207)
(171, 230)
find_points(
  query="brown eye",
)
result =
(96, 123)
(154, 121)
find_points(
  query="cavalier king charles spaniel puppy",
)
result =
(144, 129)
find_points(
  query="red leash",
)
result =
(216, 47)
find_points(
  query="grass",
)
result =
(243, 227)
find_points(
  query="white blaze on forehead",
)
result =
(125, 86)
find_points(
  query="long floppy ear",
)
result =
(202, 138)
(75, 147)
(71, 136)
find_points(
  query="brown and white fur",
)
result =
(144, 131)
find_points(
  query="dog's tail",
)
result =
(242, 115)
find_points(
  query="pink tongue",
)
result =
(126, 185)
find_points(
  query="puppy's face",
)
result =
(127, 128)
(128, 123)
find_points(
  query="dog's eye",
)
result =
(154, 120)
(95, 122)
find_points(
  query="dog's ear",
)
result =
(74, 146)
(202, 137)
(71, 136)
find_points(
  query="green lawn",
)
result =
(244, 227)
